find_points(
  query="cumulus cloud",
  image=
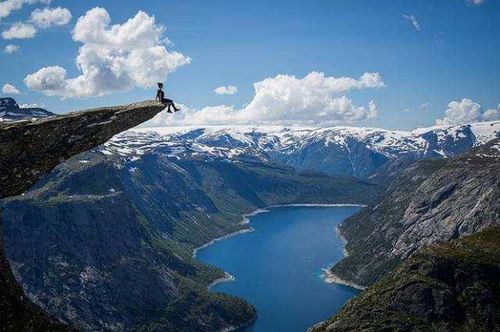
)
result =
(19, 30)
(413, 20)
(475, 2)
(467, 111)
(10, 89)
(226, 90)
(48, 17)
(492, 114)
(112, 58)
(286, 99)
(11, 48)
(8, 6)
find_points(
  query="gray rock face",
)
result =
(28, 151)
(37, 147)
(430, 202)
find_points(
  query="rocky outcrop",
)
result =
(430, 202)
(446, 287)
(28, 151)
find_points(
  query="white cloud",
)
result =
(10, 89)
(8, 6)
(413, 20)
(492, 114)
(20, 30)
(226, 90)
(11, 48)
(48, 17)
(285, 99)
(50, 80)
(425, 106)
(467, 111)
(475, 2)
(112, 58)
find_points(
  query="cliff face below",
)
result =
(430, 202)
(447, 287)
(28, 151)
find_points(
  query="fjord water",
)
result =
(278, 267)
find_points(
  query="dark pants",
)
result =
(169, 103)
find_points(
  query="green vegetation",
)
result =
(134, 228)
(452, 286)
(195, 304)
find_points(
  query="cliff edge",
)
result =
(29, 150)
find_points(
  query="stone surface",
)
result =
(430, 202)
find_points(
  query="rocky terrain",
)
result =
(11, 111)
(431, 201)
(437, 230)
(27, 154)
(452, 286)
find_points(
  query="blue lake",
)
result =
(278, 267)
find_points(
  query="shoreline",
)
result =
(226, 278)
(224, 237)
(332, 278)
(343, 239)
(246, 220)
(318, 205)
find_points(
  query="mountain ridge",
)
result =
(346, 151)
(11, 111)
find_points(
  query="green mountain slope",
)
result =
(448, 287)
(106, 244)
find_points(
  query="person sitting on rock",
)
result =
(160, 96)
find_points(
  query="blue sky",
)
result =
(452, 55)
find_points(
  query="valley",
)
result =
(128, 214)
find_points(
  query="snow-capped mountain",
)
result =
(336, 150)
(10, 111)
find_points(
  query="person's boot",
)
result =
(176, 109)
(168, 109)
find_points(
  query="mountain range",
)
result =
(10, 111)
(106, 240)
(344, 151)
